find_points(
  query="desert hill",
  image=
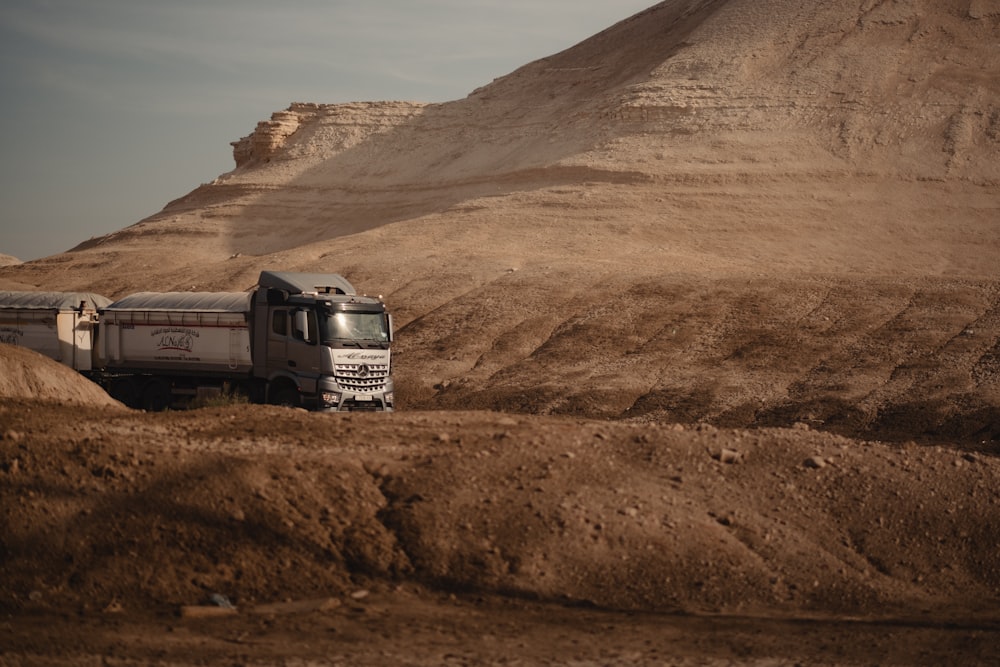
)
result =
(740, 212)
(736, 121)
(698, 318)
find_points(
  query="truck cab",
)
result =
(320, 345)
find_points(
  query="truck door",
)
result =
(277, 340)
(292, 345)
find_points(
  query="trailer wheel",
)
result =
(124, 391)
(286, 394)
(156, 395)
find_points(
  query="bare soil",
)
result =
(429, 537)
(697, 363)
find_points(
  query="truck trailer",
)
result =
(297, 339)
(59, 325)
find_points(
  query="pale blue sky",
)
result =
(109, 109)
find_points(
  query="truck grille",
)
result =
(362, 377)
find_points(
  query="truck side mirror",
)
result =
(302, 325)
(389, 325)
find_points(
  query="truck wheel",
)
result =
(156, 395)
(124, 391)
(285, 394)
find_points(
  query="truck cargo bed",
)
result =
(178, 332)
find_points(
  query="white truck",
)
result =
(298, 339)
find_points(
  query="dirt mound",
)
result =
(27, 374)
(262, 504)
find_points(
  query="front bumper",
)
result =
(332, 398)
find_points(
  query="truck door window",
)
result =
(279, 322)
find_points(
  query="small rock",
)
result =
(376, 469)
(360, 594)
(814, 462)
(728, 456)
(220, 601)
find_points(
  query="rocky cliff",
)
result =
(322, 130)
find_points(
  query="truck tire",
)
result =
(286, 394)
(125, 391)
(156, 395)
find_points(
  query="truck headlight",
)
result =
(388, 397)
(330, 398)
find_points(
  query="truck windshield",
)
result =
(362, 327)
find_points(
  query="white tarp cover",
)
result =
(61, 301)
(205, 302)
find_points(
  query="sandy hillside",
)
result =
(698, 320)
